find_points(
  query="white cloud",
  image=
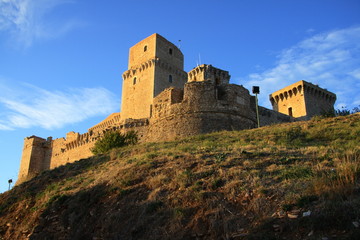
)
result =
(4, 127)
(330, 59)
(355, 73)
(310, 30)
(37, 107)
(28, 20)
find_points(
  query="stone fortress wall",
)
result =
(207, 103)
(41, 154)
(162, 102)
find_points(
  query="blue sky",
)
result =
(61, 60)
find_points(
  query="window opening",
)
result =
(134, 81)
(170, 79)
(170, 51)
(145, 48)
(220, 93)
(217, 81)
(290, 112)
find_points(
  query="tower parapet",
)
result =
(303, 100)
(207, 72)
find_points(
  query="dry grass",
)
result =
(341, 180)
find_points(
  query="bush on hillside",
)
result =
(340, 112)
(114, 139)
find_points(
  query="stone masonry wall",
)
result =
(167, 75)
(200, 111)
(269, 117)
(137, 90)
(317, 100)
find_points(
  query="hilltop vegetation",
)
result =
(293, 181)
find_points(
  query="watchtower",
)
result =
(35, 157)
(154, 64)
(303, 100)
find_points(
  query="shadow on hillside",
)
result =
(101, 212)
(333, 218)
(40, 182)
(315, 227)
(72, 216)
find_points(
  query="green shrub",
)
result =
(114, 139)
(344, 111)
(340, 112)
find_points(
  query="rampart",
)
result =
(198, 109)
(40, 154)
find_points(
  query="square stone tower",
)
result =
(154, 64)
(303, 100)
(35, 157)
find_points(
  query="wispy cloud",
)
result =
(28, 20)
(36, 107)
(330, 59)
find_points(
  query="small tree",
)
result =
(114, 139)
(340, 112)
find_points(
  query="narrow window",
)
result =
(145, 48)
(290, 112)
(220, 93)
(170, 51)
(170, 79)
(217, 81)
(134, 81)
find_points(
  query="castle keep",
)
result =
(160, 101)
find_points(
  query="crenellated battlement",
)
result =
(139, 68)
(81, 140)
(206, 72)
(299, 88)
(112, 120)
(135, 70)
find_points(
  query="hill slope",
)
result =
(294, 181)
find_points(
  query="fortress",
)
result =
(160, 101)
